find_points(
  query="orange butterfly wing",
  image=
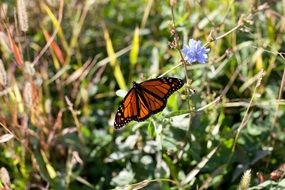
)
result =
(128, 109)
(146, 99)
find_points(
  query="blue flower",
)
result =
(195, 52)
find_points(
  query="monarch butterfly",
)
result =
(146, 99)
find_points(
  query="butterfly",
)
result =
(145, 99)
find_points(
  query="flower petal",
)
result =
(195, 52)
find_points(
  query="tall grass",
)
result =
(63, 63)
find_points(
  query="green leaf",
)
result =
(171, 166)
(123, 178)
(150, 129)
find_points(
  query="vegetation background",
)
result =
(62, 62)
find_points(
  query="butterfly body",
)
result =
(145, 99)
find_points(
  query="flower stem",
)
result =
(183, 61)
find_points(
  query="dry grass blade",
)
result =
(80, 22)
(56, 127)
(190, 176)
(6, 138)
(15, 50)
(84, 181)
(216, 101)
(140, 185)
(76, 74)
(54, 47)
(62, 80)
(146, 13)
(58, 28)
(136, 186)
(75, 117)
(10, 132)
(245, 117)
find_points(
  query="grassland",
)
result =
(64, 66)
